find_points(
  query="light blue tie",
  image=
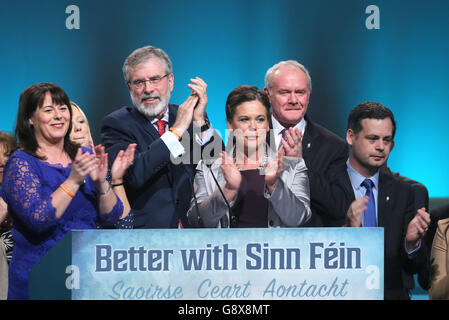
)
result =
(369, 218)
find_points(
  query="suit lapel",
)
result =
(347, 186)
(172, 111)
(145, 124)
(307, 141)
(385, 199)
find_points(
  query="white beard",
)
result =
(151, 110)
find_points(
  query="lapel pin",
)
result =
(308, 145)
(388, 198)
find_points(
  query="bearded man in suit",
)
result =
(158, 186)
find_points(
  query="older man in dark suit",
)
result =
(288, 86)
(378, 199)
(158, 184)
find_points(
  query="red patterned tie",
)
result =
(161, 129)
(161, 126)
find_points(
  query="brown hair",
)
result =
(31, 99)
(242, 94)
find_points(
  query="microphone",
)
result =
(223, 221)
(197, 222)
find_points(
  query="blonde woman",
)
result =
(81, 135)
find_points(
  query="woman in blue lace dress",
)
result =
(51, 184)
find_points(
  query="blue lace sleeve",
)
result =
(26, 198)
(109, 219)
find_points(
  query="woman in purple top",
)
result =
(51, 185)
(252, 185)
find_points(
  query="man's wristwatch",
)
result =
(206, 125)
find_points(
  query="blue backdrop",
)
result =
(228, 43)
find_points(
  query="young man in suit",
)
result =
(378, 199)
(158, 186)
(288, 86)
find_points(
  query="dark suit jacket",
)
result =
(325, 155)
(421, 200)
(395, 211)
(158, 190)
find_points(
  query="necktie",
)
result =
(161, 126)
(284, 136)
(161, 129)
(369, 218)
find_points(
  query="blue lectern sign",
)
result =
(256, 264)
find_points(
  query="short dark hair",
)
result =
(369, 110)
(242, 94)
(31, 99)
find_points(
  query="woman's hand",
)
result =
(230, 172)
(274, 169)
(232, 176)
(98, 173)
(3, 210)
(122, 162)
(82, 166)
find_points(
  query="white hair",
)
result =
(288, 63)
(142, 54)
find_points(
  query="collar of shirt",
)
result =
(359, 191)
(155, 119)
(277, 129)
(357, 179)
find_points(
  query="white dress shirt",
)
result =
(360, 191)
(171, 139)
(277, 129)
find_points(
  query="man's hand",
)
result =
(185, 114)
(292, 146)
(417, 228)
(355, 210)
(199, 89)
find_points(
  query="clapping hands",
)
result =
(292, 143)
(122, 162)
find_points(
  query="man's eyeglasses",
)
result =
(153, 81)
